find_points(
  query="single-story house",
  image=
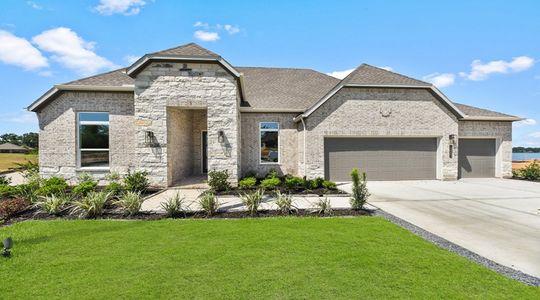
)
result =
(181, 112)
(12, 148)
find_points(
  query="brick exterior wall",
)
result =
(58, 132)
(359, 112)
(204, 86)
(502, 132)
(288, 143)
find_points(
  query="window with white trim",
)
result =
(269, 142)
(93, 129)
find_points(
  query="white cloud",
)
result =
(480, 71)
(200, 24)
(125, 7)
(22, 117)
(340, 74)
(19, 52)
(440, 80)
(526, 122)
(231, 29)
(71, 51)
(387, 68)
(130, 59)
(34, 5)
(535, 134)
(206, 36)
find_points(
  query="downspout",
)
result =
(304, 152)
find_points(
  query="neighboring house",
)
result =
(184, 111)
(12, 148)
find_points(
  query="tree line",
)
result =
(526, 150)
(30, 139)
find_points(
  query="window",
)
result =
(269, 142)
(93, 140)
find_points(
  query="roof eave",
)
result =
(141, 62)
(488, 118)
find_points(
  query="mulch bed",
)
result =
(283, 190)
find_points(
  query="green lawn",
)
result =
(277, 258)
(9, 160)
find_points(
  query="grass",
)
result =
(277, 258)
(9, 160)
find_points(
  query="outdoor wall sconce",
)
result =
(221, 136)
(8, 244)
(452, 139)
(149, 138)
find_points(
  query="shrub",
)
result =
(27, 191)
(272, 174)
(310, 184)
(91, 205)
(84, 188)
(209, 203)
(270, 183)
(114, 187)
(252, 201)
(293, 183)
(136, 182)
(7, 191)
(173, 206)
(324, 207)
(530, 172)
(130, 202)
(217, 180)
(360, 192)
(53, 186)
(11, 207)
(284, 203)
(53, 204)
(329, 185)
(4, 180)
(247, 182)
(28, 166)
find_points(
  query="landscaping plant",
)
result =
(7, 191)
(92, 205)
(173, 206)
(324, 207)
(247, 182)
(270, 183)
(4, 180)
(530, 172)
(86, 184)
(130, 202)
(114, 186)
(284, 203)
(218, 180)
(252, 201)
(11, 207)
(292, 183)
(329, 185)
(53, 186)
(53, 204)
(27, 191)
(137, 181)
(209, 203)
(360, 192)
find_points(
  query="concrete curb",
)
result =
(445, 244)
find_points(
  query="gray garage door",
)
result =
(476, 158)
(381, 158)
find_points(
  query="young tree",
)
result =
(360, 192)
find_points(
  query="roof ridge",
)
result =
(96, 75)
(211, 53)
(288, 68)
(399, 74)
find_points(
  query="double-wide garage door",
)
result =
(381, 158)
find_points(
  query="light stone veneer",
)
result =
(288, 143)
(204, 86)
(501, 132)
(58, 132)
(360, 112)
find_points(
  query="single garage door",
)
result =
(476, 158)
(381, 158)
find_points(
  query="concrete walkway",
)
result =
(16, 178)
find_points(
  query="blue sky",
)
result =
(482, 53)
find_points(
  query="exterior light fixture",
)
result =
(452, 139)
(149, 138)
(8, 244)
(221, 136)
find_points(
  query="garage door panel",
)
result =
(476, 158)
(381, 158)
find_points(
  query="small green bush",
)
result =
(324, 207)
(247, 182)
(272, 174)
(293, 183)
(173, 206)
(4, 180)
(27, 191)
(252, 201)
(136, 182)
(53, 204)
(92, 205)
(7, 191)
(360, 192)
(310, 184)
(284, 203)
(114, 187)
(53, 186)
(218, 180)
(329, 185)
(530, 172)
(130, 202)
(209, 203)
(84, 188)
(270, 183)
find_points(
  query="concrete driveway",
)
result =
(496, 218)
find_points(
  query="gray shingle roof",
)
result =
(190, 49)
(472, 111)
(366, 74)
(112, 78)
(284, 88)
(10, 146)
